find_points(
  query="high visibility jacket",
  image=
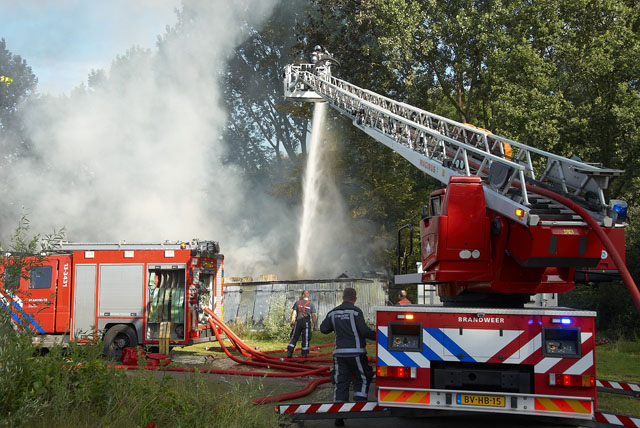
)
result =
(304, 309)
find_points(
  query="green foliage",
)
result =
(276, 323)
(35, 387)
(620, 361)
(75, 386)
(554, 74)
(27, 252)
(18, 83)
(259, 130)
(617, 315)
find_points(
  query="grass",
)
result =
(76, 387)
(147, 398)
(256, 339)
(618, 404)
(619, 361)
(616, 361)
(36, 392)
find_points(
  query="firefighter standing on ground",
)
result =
(302, 313)
(350, 354)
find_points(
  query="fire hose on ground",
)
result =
(214, 322)
(255, 358)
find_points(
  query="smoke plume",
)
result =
(137, 156)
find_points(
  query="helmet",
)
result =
(317, 48)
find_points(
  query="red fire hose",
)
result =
(271, 364)
(257, 359)
(291, 395)
(295, 369)
(217, 371)
(615, 256)
(214, 322)
(273, 361)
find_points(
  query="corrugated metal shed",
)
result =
(249, 302)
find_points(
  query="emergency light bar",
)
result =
(405, 316)
(620, 207)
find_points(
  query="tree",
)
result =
(382, 189)
(260, 130)
(17, 88)
(23, 254)
(553, 74)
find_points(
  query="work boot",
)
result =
(289, 354)
(339, 422)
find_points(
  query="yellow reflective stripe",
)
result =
(404, 396)
(419, 397)
(566, 406)
(390, 395)
(580, 406)
(546, 404)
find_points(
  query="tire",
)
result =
(117, 338)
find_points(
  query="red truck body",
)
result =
(535, 361)
(88, 289)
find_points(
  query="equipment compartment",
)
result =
(166, 301)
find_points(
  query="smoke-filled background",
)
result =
(137, 155)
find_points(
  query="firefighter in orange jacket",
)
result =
(302, 313)
(402, 298)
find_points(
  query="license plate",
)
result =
(480, 400)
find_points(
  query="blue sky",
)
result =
(64, 40)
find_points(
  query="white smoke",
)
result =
(138, 159)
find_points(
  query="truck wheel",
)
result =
(117, 338)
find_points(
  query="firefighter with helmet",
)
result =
(402, 298)
(320, 56)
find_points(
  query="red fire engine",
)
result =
(512, 222)
(129, 293)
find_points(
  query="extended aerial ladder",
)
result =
(512, 221)
(546, 241)
(443, 148)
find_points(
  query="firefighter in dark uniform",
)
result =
(193, 304)
(350, 355)
(302, 313)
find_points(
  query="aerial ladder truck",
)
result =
(512, 222)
